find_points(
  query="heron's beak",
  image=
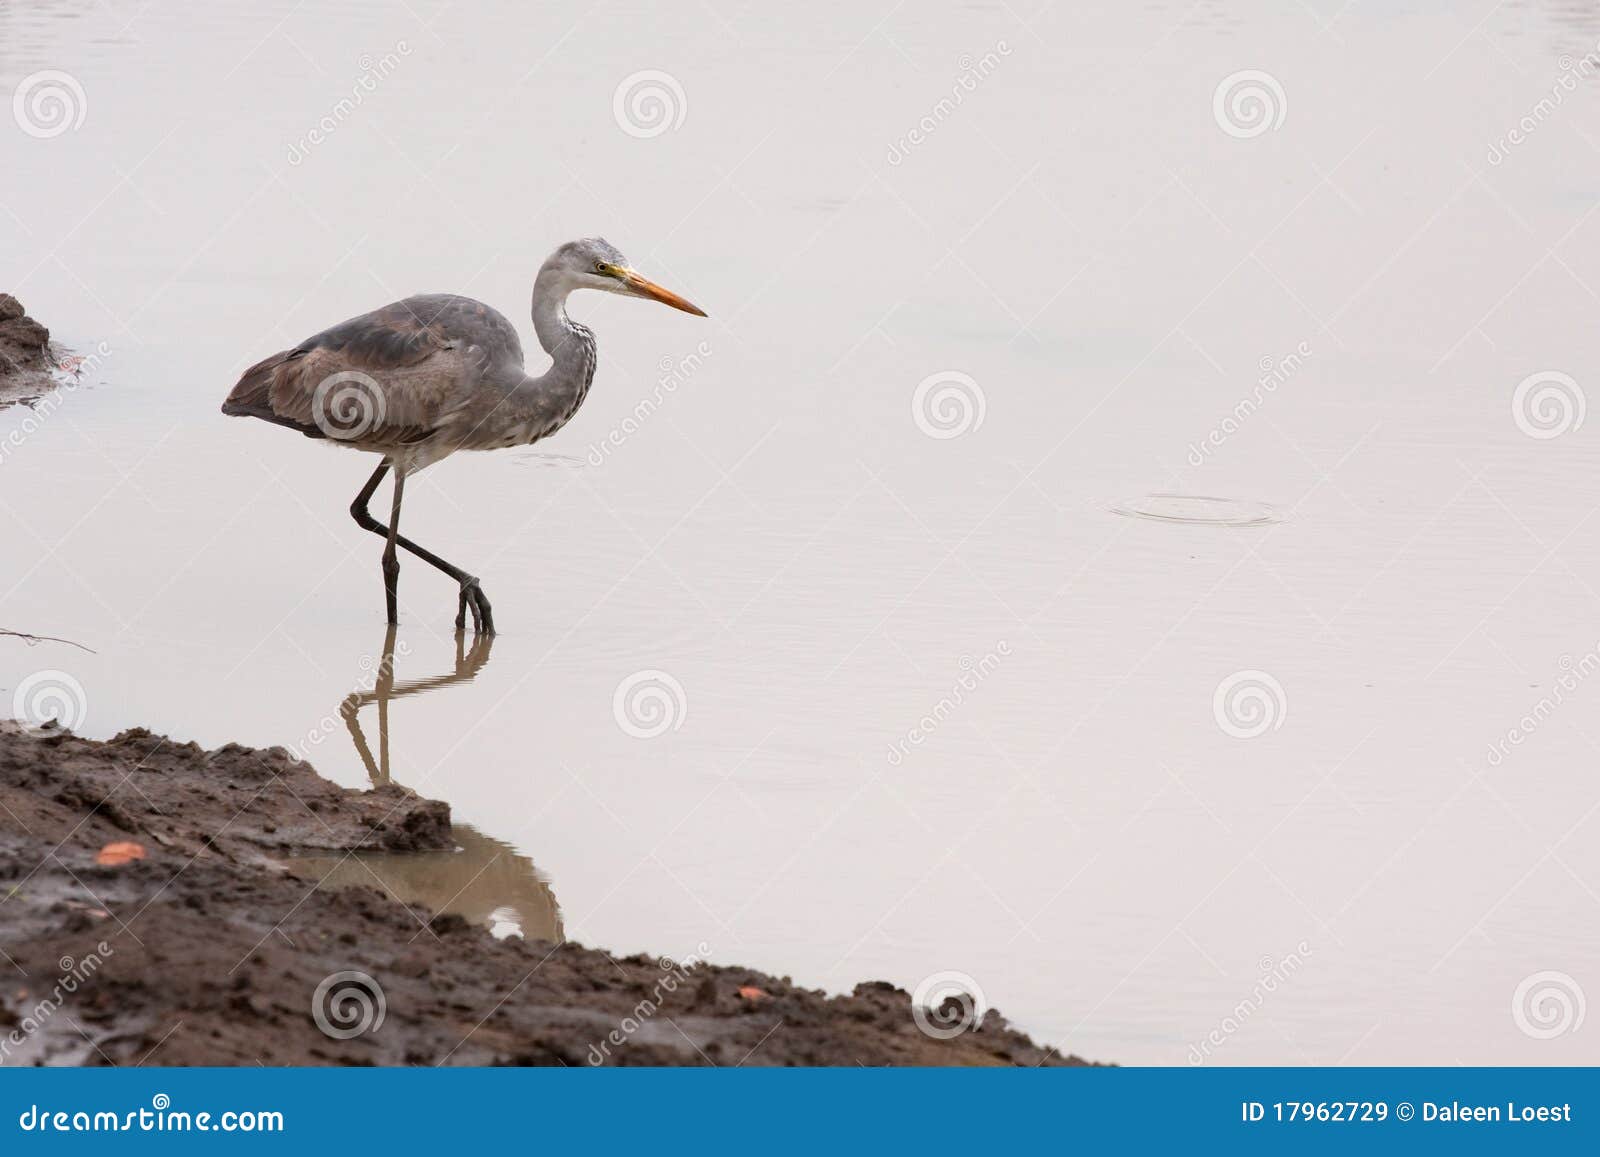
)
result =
(641, 287)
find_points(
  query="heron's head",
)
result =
(594, 263)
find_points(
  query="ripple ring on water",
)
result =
(1199, 509)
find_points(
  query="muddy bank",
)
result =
(25, 361)
(147, 914)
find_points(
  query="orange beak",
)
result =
(642, 287)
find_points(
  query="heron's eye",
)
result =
(601, 267)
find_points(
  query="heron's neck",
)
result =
(556, 395)
(569, 344)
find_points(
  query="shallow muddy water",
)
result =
(821, 642)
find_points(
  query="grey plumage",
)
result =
(421, 378)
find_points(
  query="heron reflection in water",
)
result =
(484, 880)
(469, 661)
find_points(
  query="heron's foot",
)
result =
(473, 599)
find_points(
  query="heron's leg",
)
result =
(472, 596)
(358, 508)
(391, 563)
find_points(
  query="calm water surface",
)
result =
(941, 708)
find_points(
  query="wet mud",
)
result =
(160, 904)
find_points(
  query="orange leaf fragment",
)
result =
(121, 852)
(752, 993)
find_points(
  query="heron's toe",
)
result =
(472, 599)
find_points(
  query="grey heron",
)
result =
(421, 378)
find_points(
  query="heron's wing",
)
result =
(386, 378)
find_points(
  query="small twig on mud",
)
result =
(35, 640)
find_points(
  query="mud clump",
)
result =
(25, 361)
(206, 950)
